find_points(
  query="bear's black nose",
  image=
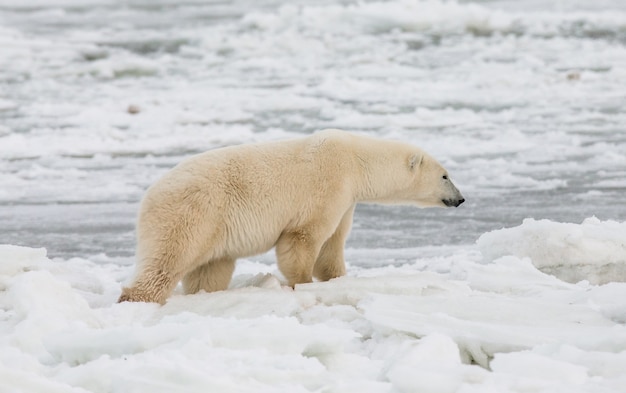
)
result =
(453, 202)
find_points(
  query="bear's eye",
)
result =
(445, 177)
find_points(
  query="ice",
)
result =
(21, 258)
(466, 81)
(378, 17)
(518, 323)
(594, 250)
(531, 366)
(433, 364)
(442, 324)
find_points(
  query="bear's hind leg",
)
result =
(150, 286)
(210, 277)
(330, 262)
(158, 273)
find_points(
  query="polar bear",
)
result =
(295, 195)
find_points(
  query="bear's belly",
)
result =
(251, 240)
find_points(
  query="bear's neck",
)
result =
(380, 165)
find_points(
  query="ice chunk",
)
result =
(433, 364)
(533, 366)
(483, 324)
(594, 250)
(350, 290)
(16, 259)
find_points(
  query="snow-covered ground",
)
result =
(522, 101)
(462, 322)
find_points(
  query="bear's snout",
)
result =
(453, 202)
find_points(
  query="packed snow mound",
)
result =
(442, 324)
(594, 250)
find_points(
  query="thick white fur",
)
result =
(296, 195)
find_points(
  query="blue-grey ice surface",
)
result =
(523, 102)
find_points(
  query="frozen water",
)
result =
(523, 102)
(441, 324)
(593, 251)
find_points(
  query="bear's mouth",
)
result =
(452, 202)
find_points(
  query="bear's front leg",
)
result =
(330, 262)
(296, 252)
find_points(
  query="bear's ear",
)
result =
(415, 160)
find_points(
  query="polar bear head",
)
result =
(430, 184)
(403, 174)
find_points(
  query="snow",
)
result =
(464, 322)
(521, 289)
(594, 250)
